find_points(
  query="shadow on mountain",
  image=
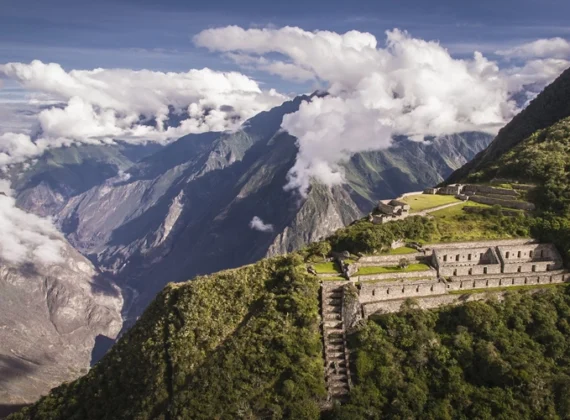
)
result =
(7, 409)
(101, 347)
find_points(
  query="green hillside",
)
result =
(242, 343)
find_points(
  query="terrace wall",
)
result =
(387, 260)
(431, 273)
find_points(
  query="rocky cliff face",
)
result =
(50, 319)
(185, 209)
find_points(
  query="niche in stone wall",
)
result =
(533, 268)
(519, 270)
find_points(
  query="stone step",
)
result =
(333, 300)
(339, 390)
(333, 317)
(334, 332)
(333, 309)
(339, 371)
(335, 340)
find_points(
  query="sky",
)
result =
(157, 35)
(94, 72)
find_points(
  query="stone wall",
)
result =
(374, 292)
(528, 252)
(521, 205)
(388, 260)
(484, 189)
(466, 269)
(481, 244)
(382, 299)
(431, 273)
(466, 261)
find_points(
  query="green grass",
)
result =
(506, 288)
(326, 267)
(421, 202)
(455, 225)
(456, 210)
(400, 251)
(391, 269)
(332, 278)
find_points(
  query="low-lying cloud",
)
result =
(258, 224)
(25, 237)
(407, 87)
(101, 105)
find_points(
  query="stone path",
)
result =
(334, 338)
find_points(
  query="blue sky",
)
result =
(157, 35)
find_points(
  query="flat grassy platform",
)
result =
(363, 271)
(400, 251)
(326, 268)
(421, 202)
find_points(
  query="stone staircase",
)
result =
(337, 372)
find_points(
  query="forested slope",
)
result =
(242, 343)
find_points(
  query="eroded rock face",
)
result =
(50, 317)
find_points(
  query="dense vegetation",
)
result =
(544, 159)
(242, 343)
(481, 360)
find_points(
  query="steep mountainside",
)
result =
(239, 344)
(550, 106)
(46, 184)
(50, 319)
(185, 210)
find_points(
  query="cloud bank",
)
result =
(102, 105)
(26, 237)
(258, 224)
(406, 87)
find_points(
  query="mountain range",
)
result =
(142, 216)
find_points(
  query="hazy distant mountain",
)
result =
(186, 209)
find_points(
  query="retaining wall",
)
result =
(481, 244)
(521, 205)
(433, 300)
(376, 292)
(484, 189)
(431, 273)
(386, 260)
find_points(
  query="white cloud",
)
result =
(105, 104)
(541, 48)
(409, 86)
(25, 237)
(258, 224)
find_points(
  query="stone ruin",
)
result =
(456, 267)
(485, 194)
(390, 211)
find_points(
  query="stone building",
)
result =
(393, 210)
(529, 258)
(453, 189)
(466, 261)
(431, 190)
(456, 267)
